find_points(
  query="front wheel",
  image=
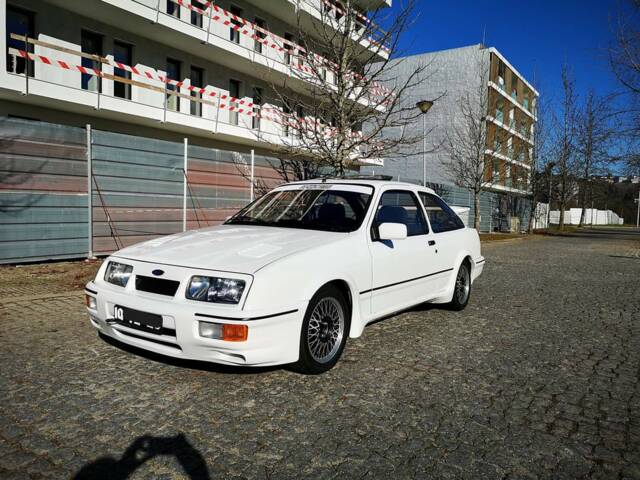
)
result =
(324, 331)
(461, 289)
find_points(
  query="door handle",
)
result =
(432, 243)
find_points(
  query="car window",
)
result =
(314, 208)
(441, 217)
(399, 206)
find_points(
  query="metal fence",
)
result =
(140, 188)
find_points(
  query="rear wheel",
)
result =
(462, 288)
(324, 331)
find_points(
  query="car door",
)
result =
(446, 229)
(400, 268)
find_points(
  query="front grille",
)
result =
(157, 285)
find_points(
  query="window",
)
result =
(260, 36)
(286, 111)
(173, 9)
(122, 53)
(299, 121)
(196, 17)
(312, 207)
(234, 32)
(398, 206)
(288, 48)
(257, 103)
(173, 73)
(501, 72)
(495, 178)
(441, 217)
(197, 80)
(234, 92)
(91, 43)
(500, 111)
(22, 23)
(514, 86)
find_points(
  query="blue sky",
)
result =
(537, 37)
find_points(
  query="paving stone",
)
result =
(537, 378)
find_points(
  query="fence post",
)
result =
(184, 188)
(89, 193)
(26, 65)
(253, 161)
(210, 10)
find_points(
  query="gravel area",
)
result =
(538, 378)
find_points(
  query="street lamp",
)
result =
(424, 106)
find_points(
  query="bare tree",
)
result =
(466, 142)
(539, 178)
(594, 134)
(348, 90)
(563, 146)
(624, 58)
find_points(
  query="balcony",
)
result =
(62, 77)
(331, 14)
(221, 37)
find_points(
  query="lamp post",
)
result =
(424, 106)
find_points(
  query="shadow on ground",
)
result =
(143, 449)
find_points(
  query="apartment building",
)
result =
(176, 94)
(482, 76)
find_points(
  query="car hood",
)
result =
(231, 248)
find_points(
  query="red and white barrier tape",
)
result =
(279, 117)
(229, 20)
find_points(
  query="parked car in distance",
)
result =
(289, 277)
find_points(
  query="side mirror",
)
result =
(392, 231)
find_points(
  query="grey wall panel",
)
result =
(43, 204)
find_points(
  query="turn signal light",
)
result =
(235, 333)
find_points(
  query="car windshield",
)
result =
(312, 207)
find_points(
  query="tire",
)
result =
(461, 289)
(324, 332)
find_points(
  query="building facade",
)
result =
(483, 75)
(174, 91)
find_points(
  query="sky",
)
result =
(536, 40)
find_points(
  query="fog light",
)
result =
(91, 302)
(226, 332)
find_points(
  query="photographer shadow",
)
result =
(143, 449)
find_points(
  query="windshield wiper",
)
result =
(246, 220)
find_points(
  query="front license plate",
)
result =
(137, 319)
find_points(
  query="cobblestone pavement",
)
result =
(537, 378)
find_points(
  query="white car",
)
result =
(289, 277)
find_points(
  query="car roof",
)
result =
(375, 182)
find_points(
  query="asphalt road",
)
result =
(538, 378)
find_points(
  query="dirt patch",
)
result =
(54, 277)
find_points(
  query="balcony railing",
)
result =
(377, 36)
(148, 87)
(215, 21)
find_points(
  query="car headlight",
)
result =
(118, 273)
(215, 289)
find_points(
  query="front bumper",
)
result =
(273, 335)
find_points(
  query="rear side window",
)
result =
(399, 206)
(441, 217)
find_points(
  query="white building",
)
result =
(232, 51)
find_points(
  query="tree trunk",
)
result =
(561, 222)
(476, 211)
(583, 200)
